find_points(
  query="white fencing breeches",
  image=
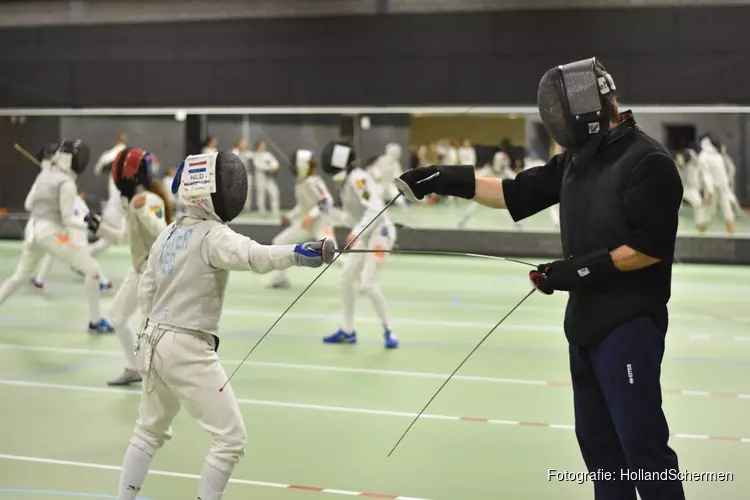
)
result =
(183, 370)
(66, 250)
(124, 306)
(265, 185)
(693, 197)
(46, 265)
(363, 267)
(721, 198)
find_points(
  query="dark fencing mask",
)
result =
(570, 102)
(131, 168)
(218, 178)
(72, 156)
(337, 156)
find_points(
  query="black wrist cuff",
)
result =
(594, 268)
(456, 180)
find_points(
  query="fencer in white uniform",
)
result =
(309, 219)
(695, 179)
(147, 214)
(360, 207)
(80, 209)
(182, 294)
(500, 168)
(731, 176)
(721, 194)
(112, 214)
(266, 166)
(386, 168)
(467, 155)
(240, 149)
(52, 228)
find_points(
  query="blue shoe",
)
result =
(36, 284)
(341, 338)
(106, 286)
(391, 342)
(102, 327)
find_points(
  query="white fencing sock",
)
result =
(134, 470)
(213, 483)
(91, 284)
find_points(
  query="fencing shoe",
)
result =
(127, 377)
(102, 327)
(341, 337)
(391, 342)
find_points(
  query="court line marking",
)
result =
(366, 371)
(247, 482)
(507, 327)
(60, 493)
(361, 411)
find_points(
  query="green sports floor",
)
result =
(322, 418)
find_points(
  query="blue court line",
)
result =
(79, 494)
(61, 369)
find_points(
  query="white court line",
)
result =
(344, 409)
(181, 475)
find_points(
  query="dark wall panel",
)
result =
(17, 174)
(657, 55)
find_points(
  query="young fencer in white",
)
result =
(181, 294)
(51, 224)
(500, 168)
(386, 168)
(732, 177)
(266, 166)
(360, 207)
(80, 235)
(695, 179)
(146, 215)
(309, 219)
(112, 214)
(721, 194)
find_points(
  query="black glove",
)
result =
(444, 180)
(93, 221)
(573, 274)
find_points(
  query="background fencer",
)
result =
(721, 194)
(500, 168)
(112, 213)
(181, 294)
(386, 168)
(147, 213)
(732, 177)
(52, 221)
(266, 166)
(359, 207)
(240, 149)
(695, 178)
(80, 209)
(309, 219)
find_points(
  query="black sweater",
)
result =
(626, 193)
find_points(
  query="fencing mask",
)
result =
(337, 156)
(301, 163)
(71, 156)
(215, 181)
(132, 168)
(570, 102)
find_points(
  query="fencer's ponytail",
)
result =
(157, 188)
